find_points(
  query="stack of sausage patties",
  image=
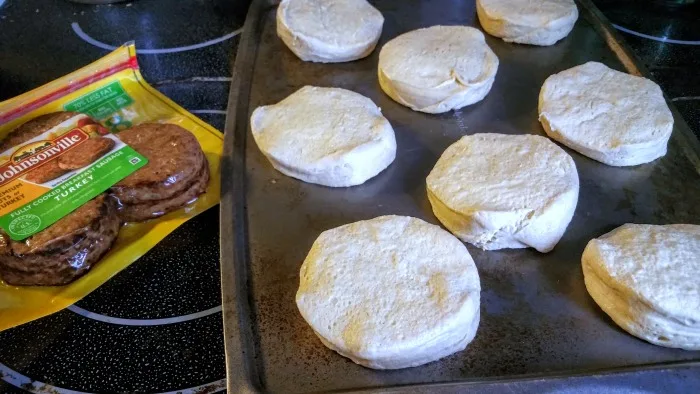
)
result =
(176, 174)
(68, 248)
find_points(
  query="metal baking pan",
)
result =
(538, 324)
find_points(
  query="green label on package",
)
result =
(53, 174)
(102, 102)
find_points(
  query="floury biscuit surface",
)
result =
(645, 277)
(437, 69)
(541, 22)
(329, 31)
(505, 191)
(607, 115)
(390, 292)
(328, 136)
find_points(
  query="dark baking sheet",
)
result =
(537, 319)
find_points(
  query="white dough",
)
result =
(390, 292)
(541, 22)
(328, 136)
(647, 279)
(505, 191)
(437, 69)
(329, 31)
(613, 117)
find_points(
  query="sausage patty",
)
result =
(176, 174)
(68, 248)
(174, 160)
(155, 208)
(65, 250)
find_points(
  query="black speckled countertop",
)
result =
(156, 326)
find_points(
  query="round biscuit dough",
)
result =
(500, 191)
(645, 277)
(609, 116)
(542, 22)
(329, 31)
(437, 69)
(391, 292)
(328, 136)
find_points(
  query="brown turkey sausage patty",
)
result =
(174, 159)
(156, 208)
(68, 248)
(63, 251)
(176, 174)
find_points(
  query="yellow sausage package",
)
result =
(95, 169)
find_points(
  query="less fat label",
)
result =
(55, 173)
(102, 102)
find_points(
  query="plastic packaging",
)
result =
(112, 92)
